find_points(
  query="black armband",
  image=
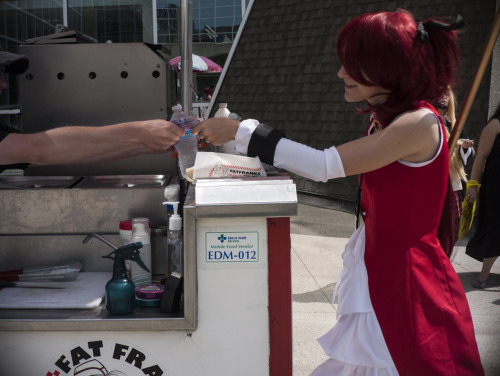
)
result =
(263, 143)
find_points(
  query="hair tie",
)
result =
(424, 35)
(422, 27)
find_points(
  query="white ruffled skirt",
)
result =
(355, 344)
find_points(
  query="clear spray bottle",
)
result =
(175, 256)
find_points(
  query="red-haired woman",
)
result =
(401, 307)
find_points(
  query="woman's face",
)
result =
(356, 92)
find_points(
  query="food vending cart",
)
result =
(236, 308)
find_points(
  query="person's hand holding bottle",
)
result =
(217, 131)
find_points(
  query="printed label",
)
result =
(232, 247)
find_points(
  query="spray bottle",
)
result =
(120, 291)
(175, 257)
(173, 292)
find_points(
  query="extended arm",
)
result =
(414, 137)
(86, 145)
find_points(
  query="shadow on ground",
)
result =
(315, 296)
(319, 221)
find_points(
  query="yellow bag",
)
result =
(468, 209)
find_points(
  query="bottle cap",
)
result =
(126, 225)
(177, 108)
(150, 291)
(140, 227)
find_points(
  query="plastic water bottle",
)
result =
(223, 112)
(187, 147)
(141, 233)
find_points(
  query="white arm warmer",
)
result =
(318, 165)
(244, 134)
(297, 158)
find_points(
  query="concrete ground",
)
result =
(318, 238)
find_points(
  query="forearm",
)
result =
(477, 168)
(111, 156)
(86, 145)
(476, 174)
(81, 145)
(317, 165)
(272, 148)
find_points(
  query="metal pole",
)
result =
(186, 54)
(154, 12)
(243, 8)
(65, 13)
(476, 80)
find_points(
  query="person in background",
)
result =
(485, 243)
(401, 309)
(77, 145)
(458, 161)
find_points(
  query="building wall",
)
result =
(284, 71)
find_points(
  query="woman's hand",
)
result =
(217, 131)
(466, 143)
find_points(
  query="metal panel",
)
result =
(93, 84)
(77, 211)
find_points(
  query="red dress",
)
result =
(415, 292)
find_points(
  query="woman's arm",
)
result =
(414, 137)
(86, 145)
(486, 141)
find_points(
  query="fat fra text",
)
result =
(78, 357)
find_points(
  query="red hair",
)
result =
(384, 49)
